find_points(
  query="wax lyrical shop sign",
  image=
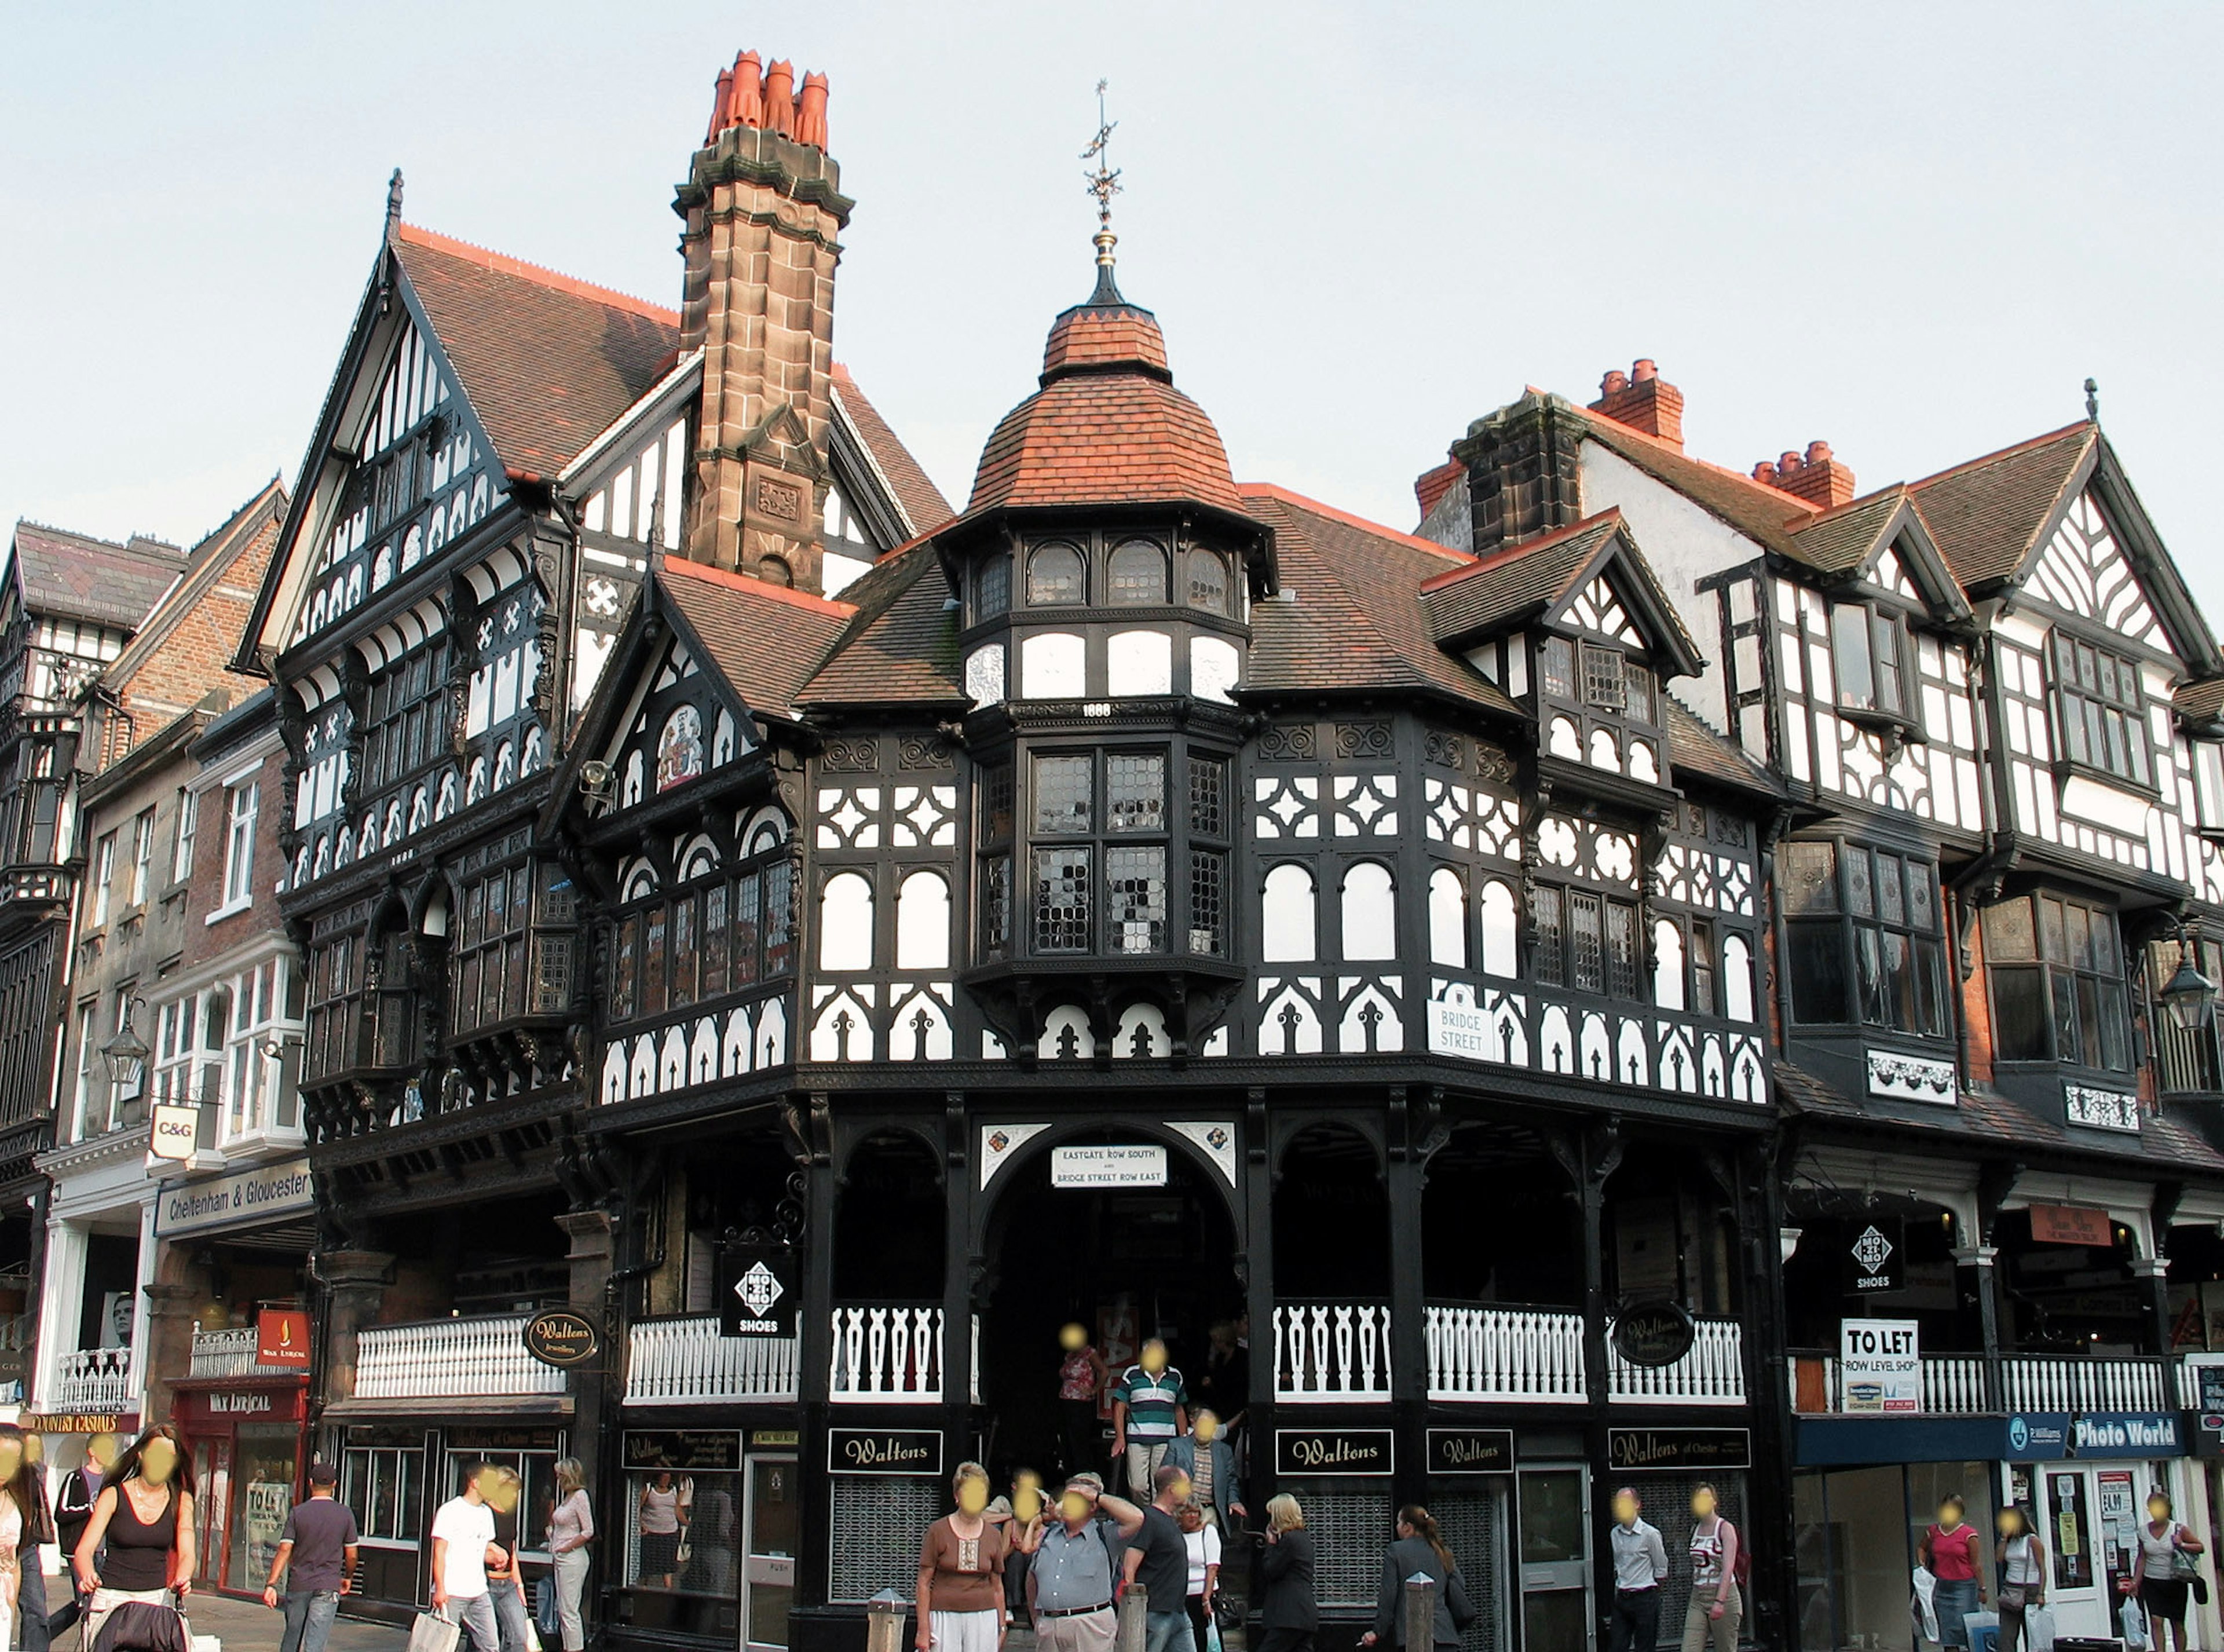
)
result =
(1879, 1366)
(267, 1192)
(1107, 1166)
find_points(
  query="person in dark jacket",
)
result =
(1289, 1610)
(1419, 1550)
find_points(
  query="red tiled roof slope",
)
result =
(903, 646)
(764, 640)
(546, 362)
(1837, 541)
(915, 493)
(1518, 580)
(1987, 514)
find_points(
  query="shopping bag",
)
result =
(433, 1632)
(2038, 1628)
(1982, 1629)
(2134, 1622)
(1212, 1636)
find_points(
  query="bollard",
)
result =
(1134, 1632)
(1420, 1610)
(884, 1621)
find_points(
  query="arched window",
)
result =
(845, 923)
(1370, 912)
(1668, 963)
(1287, 929)
(1737, 979)
(1447, 919)
(923, 922)
(1499, 932)
(1138, 571)
(1208, 581)
(1056, 577)
(774, 571)
(993, 590)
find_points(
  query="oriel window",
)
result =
(1862, 940)
(1868, 649)
(2056, 972)
(2097, 708)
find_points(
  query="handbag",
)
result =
(2012, 1596)
(1463, 1610)
(433, 1632)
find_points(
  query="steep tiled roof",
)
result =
(1350, 614)
(1838, 540)
(901, 646)
(1431, 485)
(921, 501)
(546, 362)
(75, 576)
(1987, 514)
(1108, 426)
(1695, 749)
(765, 640)
(1516, 582)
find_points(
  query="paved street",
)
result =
(247, 1625)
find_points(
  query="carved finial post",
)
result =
(2093, 400)
(394, 203)
(1104, 183)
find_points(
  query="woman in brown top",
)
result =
(960, 1573)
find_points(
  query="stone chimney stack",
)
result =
(1644, 401)
(764, 207)
(1814, 476)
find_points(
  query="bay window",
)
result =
(2097, 710)
(2057, 971)
(1869, 652)
(1862, 938)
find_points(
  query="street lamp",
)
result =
(126, 1053)
(2188, 997)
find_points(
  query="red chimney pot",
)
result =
(1643, 369)
(810, 112)
(1789, 463)
(748, 107)
(780, 98)
(1818, 452)
(1643, 400)
(1613, 383)
(1764, 472)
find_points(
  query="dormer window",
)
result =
(1138, 571)
(2097, 709)
(1056, 577)
(1868, 649)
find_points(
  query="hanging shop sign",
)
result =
(703, 1450)
(1872, 1256)
(1667, 1449)
(1653, 1332)
(1334, 1451)
(562, 1337)
(282, 1338)
(1107, 1166)
(1470, 1451)
(173, 1130)
(757, 1290)
(2036, 1436)
(2067, 1224)
(884, 1451)
(248, 1196)
(1879, 1366)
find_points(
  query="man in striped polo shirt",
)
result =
(1148, 1413)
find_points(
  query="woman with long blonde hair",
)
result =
(1289, 1609)
(571, 1529)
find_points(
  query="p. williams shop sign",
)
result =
(244, 1198)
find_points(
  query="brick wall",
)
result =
(205, 939)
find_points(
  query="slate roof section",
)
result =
(1107, 427)
(1840, 541)
(74, 576)
(1350, 615)
(548, 363)
(924, 507)
(2201, 702)
(766, 641)
(1695, 749)
(1986, 516)
(901, 647)
(1516, 583)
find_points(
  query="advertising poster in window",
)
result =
(267, 1504)
(2072, 1544)
(2119, 1521)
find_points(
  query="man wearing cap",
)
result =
(316, 1556)
(1073, 1565)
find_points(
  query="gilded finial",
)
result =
(1104, 183)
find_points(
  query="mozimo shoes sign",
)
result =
(266, 1193)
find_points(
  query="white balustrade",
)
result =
(96, 1379)
(886, 1355)
(1533, 1354)
(1331, 1353)
(480, 1355)
(1954, 1384)
(1712, 1373)
(232, 1353)
(687, 1362)
(2070, 1382)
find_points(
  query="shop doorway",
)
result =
(1556, 1559)
(773, 1521)
(1127, 1263)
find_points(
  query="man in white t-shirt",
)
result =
(463, 1533)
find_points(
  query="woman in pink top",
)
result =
(1950, 1550)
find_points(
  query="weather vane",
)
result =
(1104, 180)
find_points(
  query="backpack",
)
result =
(1741, 1571)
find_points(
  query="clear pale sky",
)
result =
(1910, 230)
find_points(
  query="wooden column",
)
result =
(356, 1282)
(810, 1133)
(1408, 1141)
(961, 1272)
(1759, 1204)
(1258, 1172)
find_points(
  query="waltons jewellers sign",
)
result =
(267, 1190)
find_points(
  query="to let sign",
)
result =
(1879, 1366)
(282, 1338)
(2066, 1225)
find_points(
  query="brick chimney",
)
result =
(1644, 401)
(1814, 476)
(764, 207)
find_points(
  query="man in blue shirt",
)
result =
(1071, 1568)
